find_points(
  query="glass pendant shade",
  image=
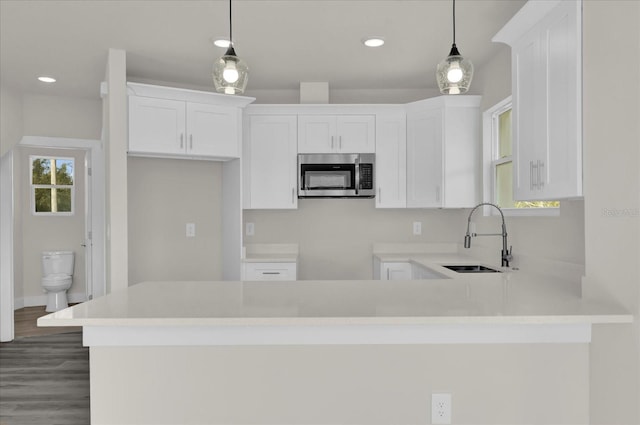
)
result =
(454, 73)
(230, 73)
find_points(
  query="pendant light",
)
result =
(454, 72)
(230, 73)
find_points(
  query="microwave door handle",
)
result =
(357, 171)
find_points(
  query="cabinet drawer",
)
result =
(269, 271)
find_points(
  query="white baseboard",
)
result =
(38, 300)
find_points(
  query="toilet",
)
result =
(57, 276)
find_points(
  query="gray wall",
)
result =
(335, 236)
(165, 195)
(612, 204)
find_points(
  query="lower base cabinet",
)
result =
(269, 271)
(392, 271)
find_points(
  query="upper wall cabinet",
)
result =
(391, 158)
(336, 133)
(546, 51)
(269, 161)
(179, 123)
(443, 148)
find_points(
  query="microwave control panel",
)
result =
(366, 176)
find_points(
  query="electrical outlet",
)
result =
(417, 228)
(441, 408)
(191, 230)
(250, 229)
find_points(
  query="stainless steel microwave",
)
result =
(348, 175)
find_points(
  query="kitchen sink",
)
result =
(471, 269)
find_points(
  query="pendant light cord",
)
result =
(454, 22)
(231, 25)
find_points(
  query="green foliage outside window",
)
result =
(52, 191)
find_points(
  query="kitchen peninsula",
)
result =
(338, 351)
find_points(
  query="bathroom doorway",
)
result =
(95, 224)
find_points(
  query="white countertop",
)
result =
(511, 297)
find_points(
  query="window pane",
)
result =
(41, 171)
(43, 200)
(504, 185)
(504, 134)
(63, 199)
(64, 172)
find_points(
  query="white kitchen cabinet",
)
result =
(392, 270)
(170, 122)
(336, 133)
(420, 272)
(443, 148)
(269, 271)
(391, 159)
(270, 162)
(546, 48)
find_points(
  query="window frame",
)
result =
(33, 188)
(490, 160)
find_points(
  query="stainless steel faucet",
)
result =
(506, 252)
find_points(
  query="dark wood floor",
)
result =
(44, 379)
(25, 323)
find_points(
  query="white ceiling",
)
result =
(284, 42)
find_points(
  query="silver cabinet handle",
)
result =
(530, 175)
(379, 195)
(541, 173)
(191, 141)
(536, 174)
(331, 142)
(340, 142)
(293, 195)
(270, 273)
(181, 140)
(388, 276)
(437, 193)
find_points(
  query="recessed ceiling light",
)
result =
(47, 79)
(373, 41)
(221, 42)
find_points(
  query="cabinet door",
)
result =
(395, 271)
(424, 158)
(355, 134)
(212, 131)
(391, 160)
(156, 126)
(547, 80)
(316, 134)
(561, 171)
(270, 162)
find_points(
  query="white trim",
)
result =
(96, 221)
(6, 248)
(336, 335)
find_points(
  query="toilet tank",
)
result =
(57, 262)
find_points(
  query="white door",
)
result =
(316, 133)
(212, 130)
(271, 162)
(156, 125)
(355, 134)
(391, 160)
(424, 158)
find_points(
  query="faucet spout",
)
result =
(505, 256)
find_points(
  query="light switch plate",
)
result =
(417, 228)
(250, 229)
(191, 230)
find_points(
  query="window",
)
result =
(498, 164)
(52, 185)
